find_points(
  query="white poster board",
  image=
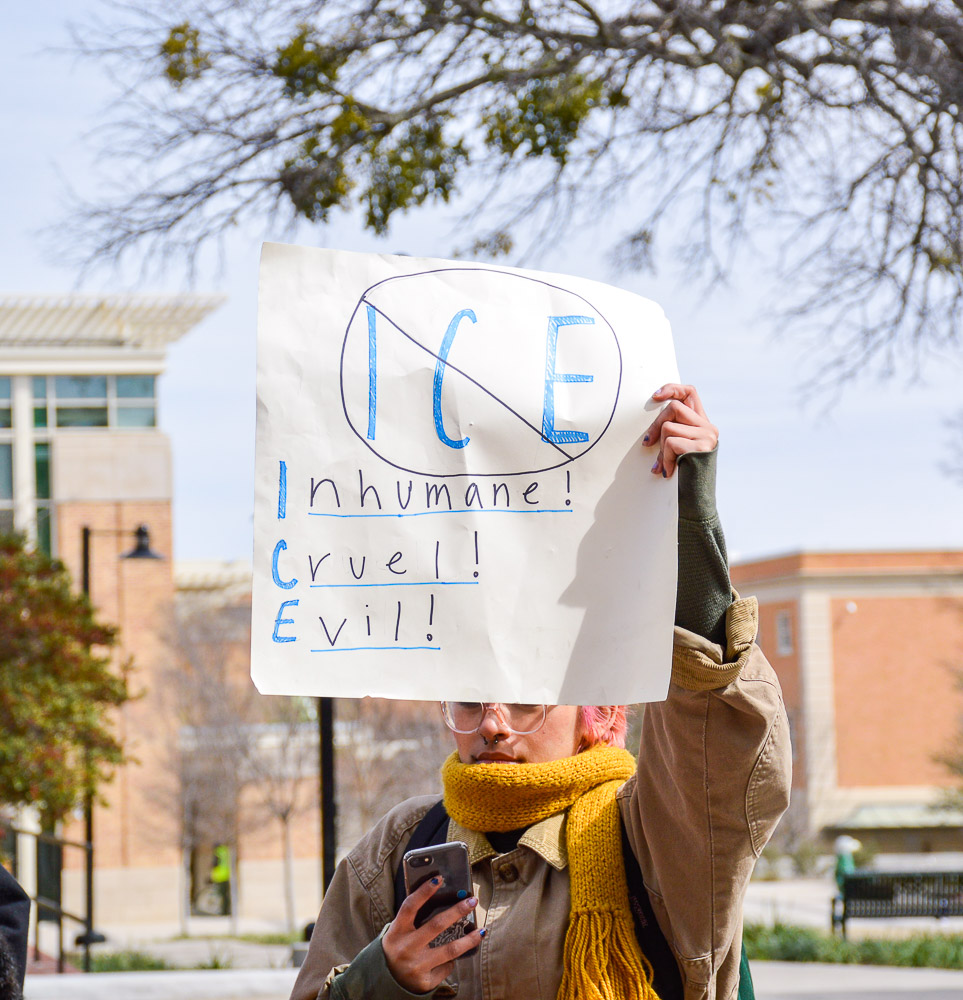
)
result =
(452, 500)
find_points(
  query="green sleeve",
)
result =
(368, 976)
(703, 592)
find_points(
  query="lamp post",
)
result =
(326, 789)
(141, 550)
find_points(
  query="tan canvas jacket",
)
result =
(713, 779)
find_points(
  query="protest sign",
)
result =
(452, 500)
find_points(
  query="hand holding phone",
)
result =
(419, 945)
(449, 862)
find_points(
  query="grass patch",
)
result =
(785, 943)
(278, 937)
(120, 961)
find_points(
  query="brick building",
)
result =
(80, 448)
(868, 647)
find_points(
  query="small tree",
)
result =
(57, 686)
(281, 754)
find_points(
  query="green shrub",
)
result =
(785, 943)
(120, 961)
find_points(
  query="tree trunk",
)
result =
(288, 874)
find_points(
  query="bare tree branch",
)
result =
(833, 127)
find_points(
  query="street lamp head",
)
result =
(142, 549)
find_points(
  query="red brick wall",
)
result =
(138, 825)
(897, 704)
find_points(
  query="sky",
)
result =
(857, 468)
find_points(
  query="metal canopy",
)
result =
(145, 321)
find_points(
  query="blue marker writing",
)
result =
(551, 377)
(372, 371)
(279, 621)
(446, 343)
(283, 584)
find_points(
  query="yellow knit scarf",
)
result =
(602, 956)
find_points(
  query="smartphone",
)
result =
(450, 862)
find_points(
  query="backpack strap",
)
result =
(432, 829)
(666, 980)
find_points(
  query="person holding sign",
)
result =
(591, 877)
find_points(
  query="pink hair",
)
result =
(602, 725)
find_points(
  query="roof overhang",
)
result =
(100, 321)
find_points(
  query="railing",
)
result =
(46, 908)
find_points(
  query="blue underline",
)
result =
(360, 649)
(420, 583)
(460, 510)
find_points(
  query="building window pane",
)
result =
(135, 416)
(81, 386)
(6, 418)
(6, 521)
(43, 530)
(6, 472)
(81, 416)
(41, 454)
(135, 386)
(784, 633)
(40, 416)
(39, 387)
(4, 386)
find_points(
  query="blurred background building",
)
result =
(217, 812)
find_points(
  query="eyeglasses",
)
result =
(466, 717)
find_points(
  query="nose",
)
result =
(492, 723)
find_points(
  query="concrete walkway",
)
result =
(808, 981)
(773, 981)
(227, 984)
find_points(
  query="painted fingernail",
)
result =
(663, 473)
(462, 893)
(473, 901)
(645, 439)
(436, 881)
(483, 932)
(655, 466)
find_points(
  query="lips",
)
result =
(494, 757)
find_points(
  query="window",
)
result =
(5, 413)
(41, 454)
(784, 633)
(39, 401)
(94, 401)
(6, 488)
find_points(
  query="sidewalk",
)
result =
(773, 981)
(808, 981)
(228, 984)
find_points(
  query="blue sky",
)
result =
(858, 468)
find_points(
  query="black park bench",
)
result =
(898, 894)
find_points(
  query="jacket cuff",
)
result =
(368, 976)
(701, 665)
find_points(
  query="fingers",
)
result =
(688, 394)
(680, 428)
(412, 961)
(415, 900)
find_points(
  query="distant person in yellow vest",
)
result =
(221, 876)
